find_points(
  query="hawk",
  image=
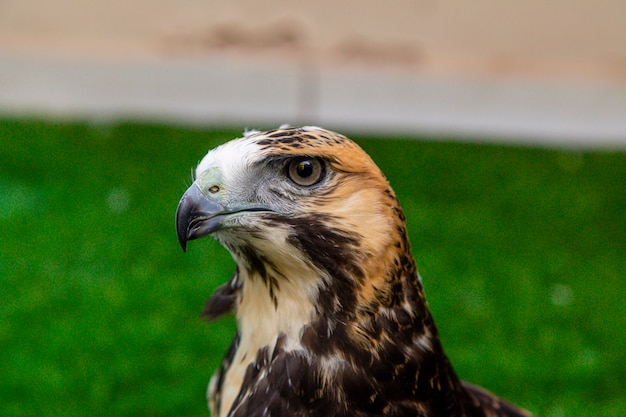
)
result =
(331, 314)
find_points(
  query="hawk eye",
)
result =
(305, 171)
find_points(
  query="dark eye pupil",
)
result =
(305, 169)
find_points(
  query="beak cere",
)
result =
(197, 216)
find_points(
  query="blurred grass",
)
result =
(522, 253)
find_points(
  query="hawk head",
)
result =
(301, 210)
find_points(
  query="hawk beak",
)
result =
(197, 216)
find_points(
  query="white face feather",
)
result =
(230, 158)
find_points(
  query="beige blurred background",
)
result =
(528, 70)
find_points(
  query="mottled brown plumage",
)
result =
(332, 318)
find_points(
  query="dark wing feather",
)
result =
(223, 300)
(490, 404)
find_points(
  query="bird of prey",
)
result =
(331, 315)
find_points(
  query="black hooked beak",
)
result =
(197, 216)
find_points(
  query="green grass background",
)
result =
(522, 253)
